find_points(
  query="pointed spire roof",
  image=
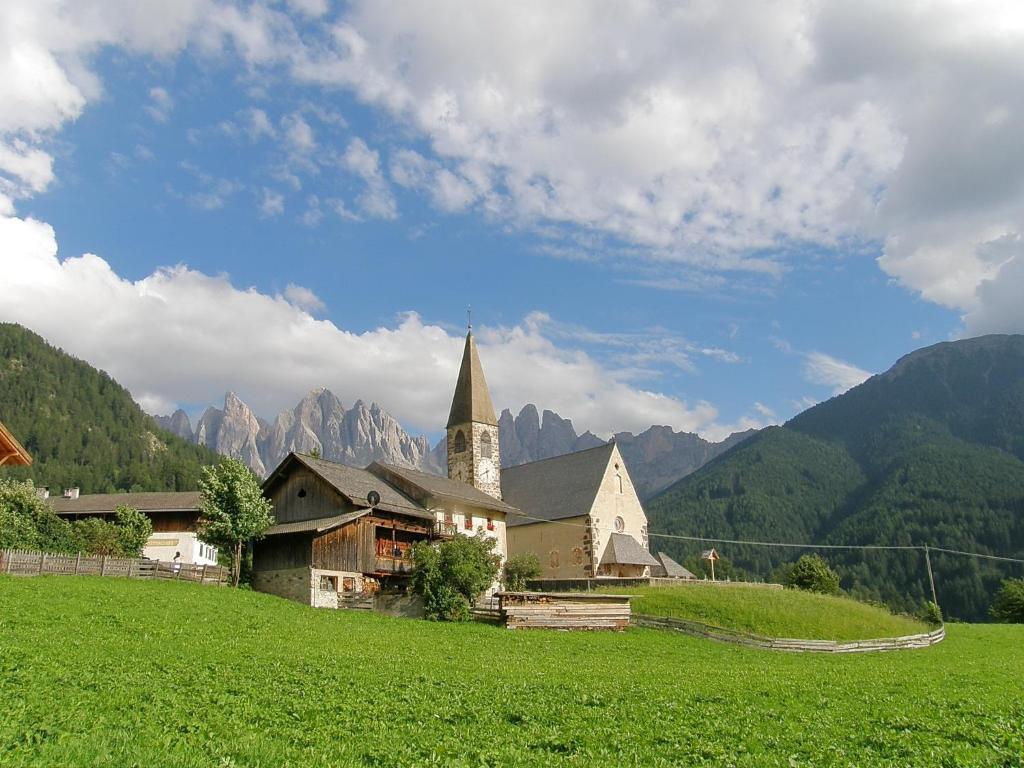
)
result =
(472, 401)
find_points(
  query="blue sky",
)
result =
(281, 196)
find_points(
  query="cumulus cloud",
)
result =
(376, 200)
(181, 336)
(271, 203)
(160, 104)
(839, 375)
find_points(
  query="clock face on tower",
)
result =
(460, 472)
(485, 471)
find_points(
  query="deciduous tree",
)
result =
(235, 511)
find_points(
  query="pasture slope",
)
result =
(117, 673)
(772, 612)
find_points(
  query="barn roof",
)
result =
(557, 488)
(623, 549)
(317, 525)
(440, 487)
(12, 453)
(670, 568)
(352, 483)
(472, 401)
(170, 501)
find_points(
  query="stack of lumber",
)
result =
(563, 610)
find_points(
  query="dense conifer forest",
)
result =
(83, 428)
(930, 452)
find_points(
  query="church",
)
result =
(341, 530)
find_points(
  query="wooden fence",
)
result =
(18, 562)
(736, 637)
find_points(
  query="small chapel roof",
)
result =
(623, 549)
(415, 483)
(556, 488)
(472, 401)
(670, 568)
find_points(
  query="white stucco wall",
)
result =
(164, 545)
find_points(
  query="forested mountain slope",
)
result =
(931, 451)
(82, 428)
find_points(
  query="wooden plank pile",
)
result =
(564, 610)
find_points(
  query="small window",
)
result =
(618, 483)
(620, 524)
(328, 583)
(302, 493)
(485, 445)
(460, 442)
(490, 524)
(469, 522)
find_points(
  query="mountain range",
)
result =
(365, 433)
(929, 452)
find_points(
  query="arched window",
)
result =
(618, 483)
(460, 442)
(485, 445)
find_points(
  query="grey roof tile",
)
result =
(170, 501)
(318, 525)
(442, 487)
(623, 549)
(669, 568)
(557, 488)
(472, 401)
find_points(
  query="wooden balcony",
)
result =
(444, 529)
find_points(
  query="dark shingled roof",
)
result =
(623, 549)
(171, 501)
(319, 525)
(669, 568)
(556, 488)
(472, 401)
(354, 484)
(441, 487)
(12, 453)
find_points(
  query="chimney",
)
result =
(43, 492)
(71, 493)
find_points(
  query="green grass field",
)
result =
(110, 672)
(772, 612)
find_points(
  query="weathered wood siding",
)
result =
(278, 553)
(317, 499)
(348, 548)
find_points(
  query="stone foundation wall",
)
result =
(291, 583)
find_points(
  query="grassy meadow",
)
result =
(108, 672)
(772, 612)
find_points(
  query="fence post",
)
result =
(42, 561)
(202, 576)
(78, 562)
(103, 565)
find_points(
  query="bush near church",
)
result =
(519, 569)
(451, 575)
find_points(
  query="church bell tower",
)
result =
(473, 456)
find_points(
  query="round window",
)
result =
(620, 524)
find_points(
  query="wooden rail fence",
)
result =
(793, 645)
(17, 562)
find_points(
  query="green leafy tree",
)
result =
(1008, 606)
(519, 569)
(812, 574)
(133, 528)
(451, 575)
(235, 511)
(29, 522)
(96, 536)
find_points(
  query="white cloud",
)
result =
(298, 133)
(303, 298)
(160, 105)
(271, 203)
(376, 200)
(839, 375)
(180, 336)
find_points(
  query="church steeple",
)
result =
(473, 453)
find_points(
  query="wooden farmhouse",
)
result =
(341, 530)
(580, 515)
(12, 453)
(174, 515)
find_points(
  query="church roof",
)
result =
(418, 483)
(556, 488)
(472, 401)
(623, 549)
(352, 483)
(670, 568)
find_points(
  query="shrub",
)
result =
(812, 574)
(451, 575)
(134, 530)
(97, 536)
(1008, 606)
(29, 522)
(929, 613)
(519, 569)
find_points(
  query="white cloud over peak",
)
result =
(839, 375)
(181, 336)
